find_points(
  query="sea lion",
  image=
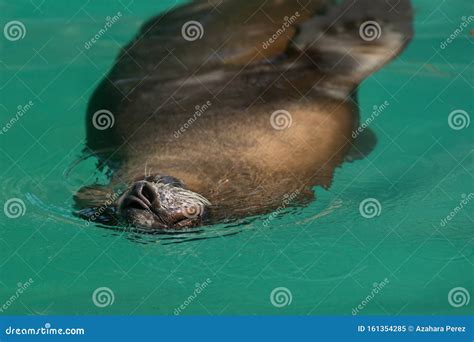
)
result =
(224, 109)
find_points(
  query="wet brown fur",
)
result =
(231, 154)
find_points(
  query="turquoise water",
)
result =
(326, 255)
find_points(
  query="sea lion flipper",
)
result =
(92, 196)
(355, 39)
(362, 145)
(230, 32)
(94, 203)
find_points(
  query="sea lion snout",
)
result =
(158, 204)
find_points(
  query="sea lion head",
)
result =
(161, 202)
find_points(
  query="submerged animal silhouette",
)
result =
(222, 109)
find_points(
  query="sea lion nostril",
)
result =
(142, 195)
(133, 202)
(148, 192)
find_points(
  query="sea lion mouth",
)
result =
(161, 204)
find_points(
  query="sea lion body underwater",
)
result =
(224, 109)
